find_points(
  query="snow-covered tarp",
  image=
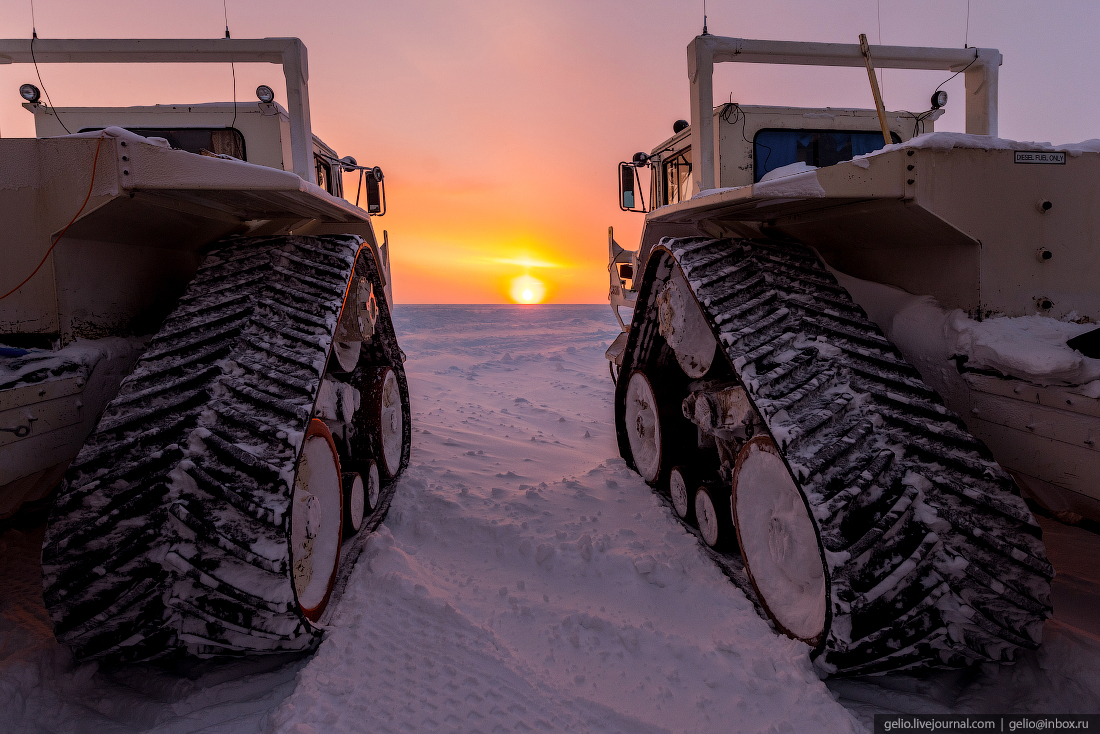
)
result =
(76, 359)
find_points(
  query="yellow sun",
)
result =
(526, 289)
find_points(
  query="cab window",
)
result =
(328, 174)
(324, 178)
(774, 148)
(217, 140)
(677, 177)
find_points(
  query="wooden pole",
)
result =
(874, 88)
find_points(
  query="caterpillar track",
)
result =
(928, 554)
(171, 533)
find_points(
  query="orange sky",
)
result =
(499, 124)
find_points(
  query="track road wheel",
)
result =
(316, 521)
(373, 487)
(712, 511)
(778, 542)
(683, 500)
(384, 420)
(355, 502)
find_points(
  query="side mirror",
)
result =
(376, 192)
(629, 195)
(626, 185)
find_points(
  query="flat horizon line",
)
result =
(523, 305)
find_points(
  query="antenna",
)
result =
(966, 38)
(705, 18)
(34, 31)
(232, 66)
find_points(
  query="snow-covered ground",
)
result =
(526, 580)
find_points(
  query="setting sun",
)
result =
(527, 289)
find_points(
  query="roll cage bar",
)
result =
(289, 52)
(981, 66)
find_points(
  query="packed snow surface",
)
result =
(524, 580)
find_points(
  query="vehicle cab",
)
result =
(754, 144)
(254, 132)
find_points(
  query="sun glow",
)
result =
(526, 289)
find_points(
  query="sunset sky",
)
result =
(499, 124)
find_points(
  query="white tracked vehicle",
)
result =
(837, 440)
(219, 479)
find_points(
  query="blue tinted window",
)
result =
(774, 149)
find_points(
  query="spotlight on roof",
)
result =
(679, 125)
(265, 94)
(640, 160)
(939, 99)
(30, 93)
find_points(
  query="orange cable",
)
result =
(86, 198)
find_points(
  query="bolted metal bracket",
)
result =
(360, 313)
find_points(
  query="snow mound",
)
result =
(943, 141)
(1030, 348)
(788, 170)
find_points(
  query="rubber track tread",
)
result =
(170, 532)
(933, 558)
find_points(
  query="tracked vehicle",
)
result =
(791, 376)
(219, 477)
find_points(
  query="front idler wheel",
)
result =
(650, 429)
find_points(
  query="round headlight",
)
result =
(640, 159)
(377, 173)
(265, 94)
(29, 92)
(939, 99)
(349, 163)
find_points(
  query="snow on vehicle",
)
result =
(212, 472)
(827, 430)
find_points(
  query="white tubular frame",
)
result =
(289, 52)
(704, 52)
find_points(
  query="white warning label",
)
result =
(1031, 156)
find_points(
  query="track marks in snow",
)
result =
(527, 553)
(422, 666)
